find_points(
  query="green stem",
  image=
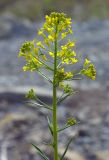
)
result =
(55, 133)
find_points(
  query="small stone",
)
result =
(84, 131)
(95, 121)
(82, 115)
(102, 155)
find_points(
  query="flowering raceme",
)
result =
(32, 51)
(53, 53)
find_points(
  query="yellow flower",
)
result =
(36, 51)
(62, 70)
(28, 56)
(36, 61)
(40, 32)
(86, 62)
(25, 68)
(68, 21)
(61, 84)
(46, 41)
(71, 44)
(39, 44)
(21, 54)
(51, 54)
(70, 31)
(69, 75)
(73, 53)
(89, 72)
(53, 20)
(48, 19)
(74, 60)
(26, 47)
(63, 35)
(64, 47)
(50, 29)
(51, 38)
(44, 57)
(65, 61)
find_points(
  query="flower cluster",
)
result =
(62, 75)
(56, 27)
(71, 121)
(48, 29)
(67, 55)
(31, 94)
(89, 69)
(66, 88)
(31, 53)
(49, 34)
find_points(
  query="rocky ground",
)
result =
(21, 124)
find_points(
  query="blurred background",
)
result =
(20, 123)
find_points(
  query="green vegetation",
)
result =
(36, 9)
(59, 54)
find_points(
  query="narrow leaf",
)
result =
(42, 154)
(49, 125)
(62, 157)
(43, 103)
(34, 103)
(44, 76)
(63, 98)
(39, 105)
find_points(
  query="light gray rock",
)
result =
(102, 155)
(11, 26)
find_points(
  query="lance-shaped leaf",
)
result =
(43, 103)
(49, 125)
(63, 155)
(44, 76)
(41, 153)
(61, 99)
(35, 104)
